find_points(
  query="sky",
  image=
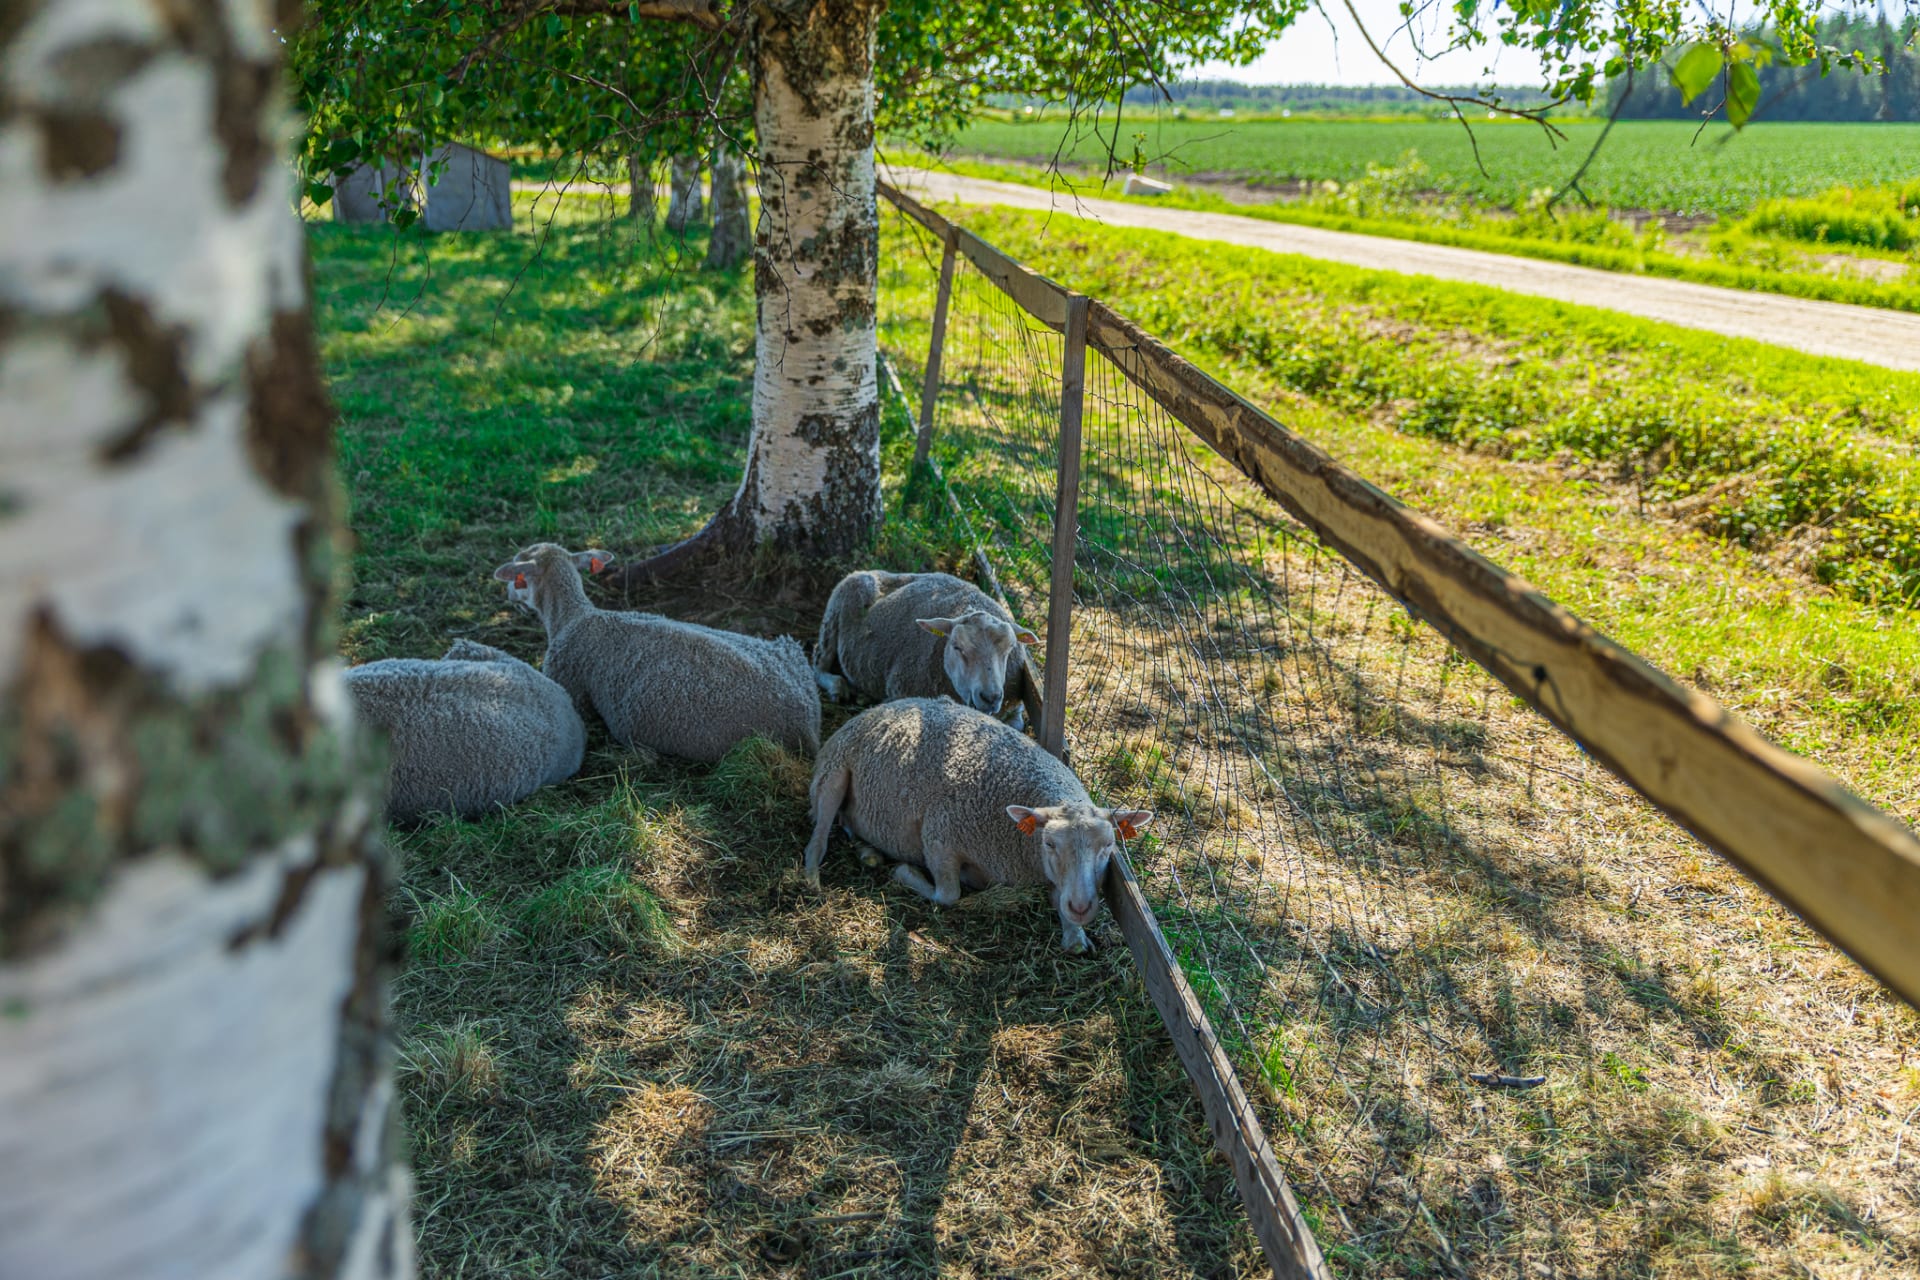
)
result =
(1327, 49)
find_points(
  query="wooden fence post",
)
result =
(1066, 526)
(930, 388)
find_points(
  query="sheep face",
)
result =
(526, 571)
(1076, 847)
(978, 648)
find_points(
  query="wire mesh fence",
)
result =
(1396, 887)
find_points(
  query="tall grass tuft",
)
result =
(456, 925)
(599, 904)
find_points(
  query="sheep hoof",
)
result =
(812, 879)
(1076, 941)
(834, 687)
(870, 856)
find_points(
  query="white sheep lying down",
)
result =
(674, 687)
(961, 800)
(474, 731)
(919, 635)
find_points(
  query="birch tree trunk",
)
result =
(812, 481)
(683, 197)
(732, 237)
(642, 205)
(193, 1081)
(812, 478)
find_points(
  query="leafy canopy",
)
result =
(600, 80)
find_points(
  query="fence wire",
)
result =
(1376, 866)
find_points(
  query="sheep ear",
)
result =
(1026, 819)
(592, 561)
(1129, 821)
(1025, 636)
(939, 626)
(513, 569)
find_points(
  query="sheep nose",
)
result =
(1080, 911)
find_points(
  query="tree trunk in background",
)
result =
(683, 200)
(193, 1073)
(732, 236)
(643, 205)
(813, 465)
(812, 479)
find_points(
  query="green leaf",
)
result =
(1696, 69)
(555, 24)
(633, 11)
(319, 193)
(1743, 93)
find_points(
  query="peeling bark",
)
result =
(193, 1079)
(812, 478)
(813, 465)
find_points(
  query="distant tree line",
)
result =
(1802, 93)
(1321, 99)
(1330, 99)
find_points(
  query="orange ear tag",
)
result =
(595, 564)
(1029, 825)
(520, 580)
(1128, 831)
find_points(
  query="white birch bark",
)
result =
(684, 203)
(813, 466)
(191, 1077)
(732, 237)
(642, 206)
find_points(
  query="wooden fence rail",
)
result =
(1849, 870)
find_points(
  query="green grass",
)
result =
(1744, 255)
(669, 1060)
(1645, 165)
(1885, 218)
(452, 926)
(601, 904)
(1764, 446)
(629, 1044)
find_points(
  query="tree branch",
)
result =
(1537, 115)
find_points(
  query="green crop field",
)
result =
(1645, 164)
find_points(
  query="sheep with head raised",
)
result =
(675, 687)
(919, 635)
(963, 801)
(469, 733)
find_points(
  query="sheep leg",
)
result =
(828, 795)
(835, 687)
(944, 888)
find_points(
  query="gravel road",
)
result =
(1887, 338)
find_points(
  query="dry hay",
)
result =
(846, 1084)
(1383, 873)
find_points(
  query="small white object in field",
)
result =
(1140, 185)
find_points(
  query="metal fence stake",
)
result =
(930, 389)
(1066, 527)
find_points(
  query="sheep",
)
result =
(474, 731)
(960, 799)
(673, 687)
(919, 635)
